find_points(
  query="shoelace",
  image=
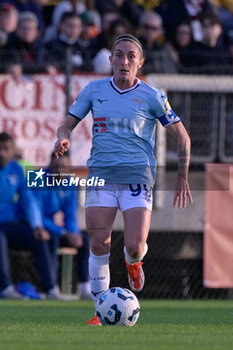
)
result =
(133, 270)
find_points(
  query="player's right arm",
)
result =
(63, 134)
(79, 109)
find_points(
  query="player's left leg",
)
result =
(136, 229)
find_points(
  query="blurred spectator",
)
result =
(75, 6)
(68, 38)
(181, 39)
(25, 47)
(227, 4)
(225, 12)
(25, 164)
(175, 11)
(47, 9)
(147, 5)
(210, 55)
(61, 200)
(103, 40)
(124, 8)
(19, 235)
(118, 27)
(88, 29)
(151, 28)
(157, 58)
(8, 21)
(29, 6)
(101, 61)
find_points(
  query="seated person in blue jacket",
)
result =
(16, 234)
(56, 200)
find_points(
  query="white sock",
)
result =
(99, 274)
(131, 260)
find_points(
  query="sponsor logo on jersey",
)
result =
(100, 125)
(101, 101)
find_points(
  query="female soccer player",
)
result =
(125, 111)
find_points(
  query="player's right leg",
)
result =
(99, 222)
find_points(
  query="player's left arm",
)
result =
(181, 191)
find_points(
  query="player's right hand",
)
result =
(61, 146)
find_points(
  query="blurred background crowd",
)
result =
(178, 36)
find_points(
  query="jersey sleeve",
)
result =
(163, 111)
(82, 104)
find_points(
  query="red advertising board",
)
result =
(218, 235)
(32, 110)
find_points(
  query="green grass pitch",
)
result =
(162, 325)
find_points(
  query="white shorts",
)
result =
(119, 196)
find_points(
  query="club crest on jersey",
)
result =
(137, 100)
(100, 125)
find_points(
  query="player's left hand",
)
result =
(181, 193)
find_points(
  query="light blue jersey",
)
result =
(124, 124)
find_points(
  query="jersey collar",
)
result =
(126, 90)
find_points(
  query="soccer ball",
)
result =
(118, 307)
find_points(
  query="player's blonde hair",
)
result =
(130, 38)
